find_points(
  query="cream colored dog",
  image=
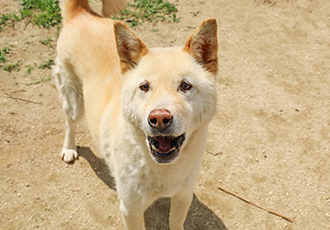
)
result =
(147, 109)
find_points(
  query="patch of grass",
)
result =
(46, 80)
(38, 82)
(46, 13)
(3, 53)
(46, 41)
(2, 57)
(6, 50)
(11, 67)
(148, 10)
(29, 70)
(6, 17)
(33, 83)
(47, 64)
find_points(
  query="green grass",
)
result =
(29, 70)
(3, 53)
(148, 10)
(11, 67)
(4, 18)
(47, 41)
(45, 13)
(47, 64)
(7, 17)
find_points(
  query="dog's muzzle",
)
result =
(164, 149)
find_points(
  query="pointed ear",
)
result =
(202, 45)
(130, 48)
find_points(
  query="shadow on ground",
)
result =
(156, 217)
(99, 166)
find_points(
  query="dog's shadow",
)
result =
(157, 215)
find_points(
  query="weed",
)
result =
(47, 64)
(46, 41)
(3, 52)
(2, 57)
(33, 83)
(148, 10)
(28, 71)
(57, 34)
(46, 80)
(6, 50)
(4, 18)
(11, 67)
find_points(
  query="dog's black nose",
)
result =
(160, 119)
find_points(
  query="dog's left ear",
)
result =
(130, 47)
(202, 45)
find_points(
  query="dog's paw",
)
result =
(69, 155)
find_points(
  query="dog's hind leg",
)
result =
(73, 105)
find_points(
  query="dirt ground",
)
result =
(269, 141)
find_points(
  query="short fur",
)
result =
(105, 71)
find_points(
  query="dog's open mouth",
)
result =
(165, 149)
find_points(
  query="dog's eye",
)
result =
(185, 86)
(144, 86)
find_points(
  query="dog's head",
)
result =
(168, 93)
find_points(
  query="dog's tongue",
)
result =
(165, 143)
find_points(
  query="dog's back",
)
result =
(87, 59)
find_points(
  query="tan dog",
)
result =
(147, 109)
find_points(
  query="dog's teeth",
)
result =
(182, 138)
(179, 142)
(155, 143)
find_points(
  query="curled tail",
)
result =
(109, 7)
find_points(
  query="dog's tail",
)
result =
(109, 7)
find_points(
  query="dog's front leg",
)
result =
(133, 214)
(180, 204)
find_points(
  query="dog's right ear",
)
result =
(130, 47)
